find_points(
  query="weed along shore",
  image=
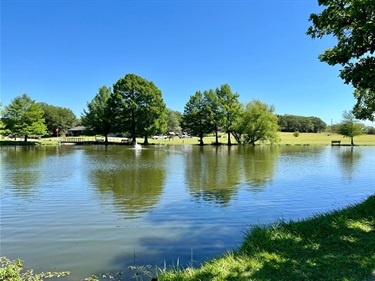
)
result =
(339, 245)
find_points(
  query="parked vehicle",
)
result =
(161, 137)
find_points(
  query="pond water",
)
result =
(95, 209)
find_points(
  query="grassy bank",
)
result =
(323, 139)
(285, 139)
(334, 246)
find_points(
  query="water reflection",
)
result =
(258, 164)
(349, 159)
(212, 173)
(134, 178)
(23, 166)
(195, 198)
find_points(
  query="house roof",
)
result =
(78, 128)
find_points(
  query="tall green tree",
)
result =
(230, 109)
(196, 118)
(23, 117)
(98, 117)
(138, 107)
(56, 117)
(352, 23)
(257, 123)
(350, 127)
(214, 110)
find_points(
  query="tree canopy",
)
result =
(98, 117)
(294, 123)
(56, 117)
(213, 107)
(352, 23)
(138, 107)
(174, 121)
(196, 118)
(23, 117)
(257, 123)
(230, 108)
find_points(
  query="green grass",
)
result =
(323, 139)
(334, 246)
(12, 142)
(285, 139)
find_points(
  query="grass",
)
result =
(323, 139)
(335, 246)
(285, 139)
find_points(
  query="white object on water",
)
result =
(137, 146)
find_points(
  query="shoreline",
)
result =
(337, 245)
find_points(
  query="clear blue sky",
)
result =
(61, 52)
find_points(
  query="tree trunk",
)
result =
(106, 139)
(201, 140)
(25, 138)
(229, 141)
(352, 141)
(217, 137)
(146, 140)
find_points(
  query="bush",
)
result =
(296, 134)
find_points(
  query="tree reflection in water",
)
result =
(212, 173)
(258, 164)
(135, 178)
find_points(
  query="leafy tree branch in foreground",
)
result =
(352, 23)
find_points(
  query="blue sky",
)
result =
(61, 52)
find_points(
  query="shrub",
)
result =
(296, 134)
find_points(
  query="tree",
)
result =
(57, 118)
(23, 117)
(138, 107)
(196, 117)
(352, 22)
(230, 108)
(98, 117)
(257, 123)
(174, 121)
(214, 111)
(350, 127)
(319, 124)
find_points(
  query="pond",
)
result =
(98, 209)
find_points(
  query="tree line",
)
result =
(23, 117)
(135, 106)
(302, 124)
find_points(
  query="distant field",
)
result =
(323, 139)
